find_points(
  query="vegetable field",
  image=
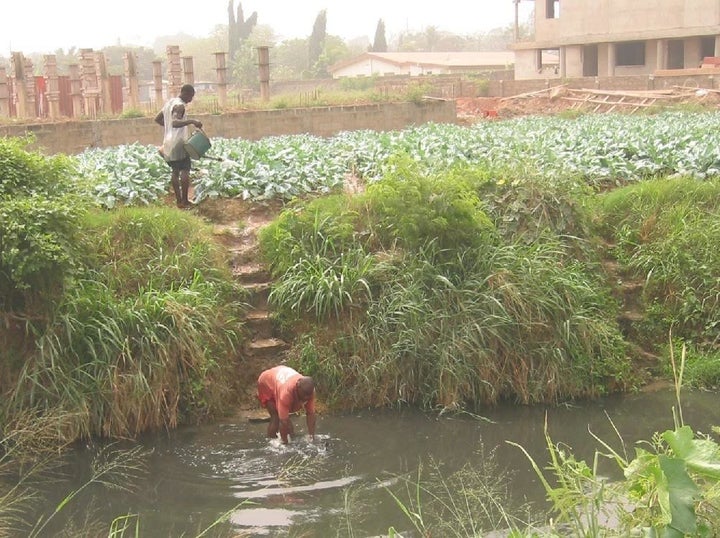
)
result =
(599, 149)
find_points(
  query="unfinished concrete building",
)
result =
(606, 38)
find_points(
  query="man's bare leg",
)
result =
(175, 180)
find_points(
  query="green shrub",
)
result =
(358, 83)
(407, 209)
(29, 173)
(39, 240)
(321, 227)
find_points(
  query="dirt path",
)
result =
(236, 224)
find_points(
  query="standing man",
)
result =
(172, 118)
(281, 390)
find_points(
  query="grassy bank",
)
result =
(115, 322)
(472, 266)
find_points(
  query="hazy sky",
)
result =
(46, 25)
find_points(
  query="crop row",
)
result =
(599, 149)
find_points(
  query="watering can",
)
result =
(198, 144)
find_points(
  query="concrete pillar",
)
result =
(76, 90)
(89, 83)
(133, 88)
(188, 70)
(4, 94)
(53, 86)
(563, 61)
(103, 82)
(17, 74)
(221, 70)
(717, 45)
(662, 48)
(611, 60)
(158, 83)
(174, 70)
(264, 72)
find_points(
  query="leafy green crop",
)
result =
(599, 149)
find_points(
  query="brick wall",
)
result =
(75, 136)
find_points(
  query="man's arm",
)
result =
(310, 417)
(286, 428)
(160, 119)
(177, 113)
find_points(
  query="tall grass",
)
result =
(145, 337)
(447, 311)
(666, 234)
(469, 502)
(504, 323)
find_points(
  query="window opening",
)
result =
(547, 61)
(552, 9)
(708, 46)
(630, 53)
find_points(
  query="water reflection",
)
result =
(336, 485)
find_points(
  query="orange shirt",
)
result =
(278, 384)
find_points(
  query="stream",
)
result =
(340, 484)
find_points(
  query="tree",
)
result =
(239, 29)
(380, 42)
(335, 50)
(289, 59)
(316, 43)
(245, 66)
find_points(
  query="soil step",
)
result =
(260, 323)
(267, 347)
(628, 320)
(242, 254)
(251, 273)
(228, 234)
(258, 293)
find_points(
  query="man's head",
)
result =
(187, 92)
(305, 388)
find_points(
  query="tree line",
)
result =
(291, 59)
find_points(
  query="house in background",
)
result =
(421, 63)
(605, 38)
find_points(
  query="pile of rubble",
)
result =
(556, 99)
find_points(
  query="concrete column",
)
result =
(158, 83)
(264, 72)
(76, 91)
(188, 69)
(89, 83)
(563, 61)
(132, 89)
(17, 73)
(221, 70)
(174, 70)
(611, 60)
(661, 60)
(4, 94)
(53, 86)
(717, 45)
(103, 82)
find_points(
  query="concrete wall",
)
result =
(583, 21)
(605, 23)
(75, 136)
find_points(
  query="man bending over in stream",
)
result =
(281, 390)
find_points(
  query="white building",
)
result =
(421, 63)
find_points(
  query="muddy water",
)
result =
(335, 486)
